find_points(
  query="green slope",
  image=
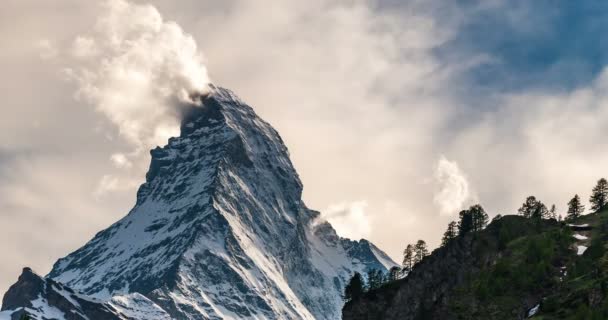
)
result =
(502, 272)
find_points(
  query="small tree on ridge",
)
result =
(599, 195)
(575, 208)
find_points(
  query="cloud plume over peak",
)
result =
(134, 67)
(349, 219)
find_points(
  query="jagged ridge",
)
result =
(41, 298)
(219, 230)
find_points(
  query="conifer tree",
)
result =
(450, 233)
(375, 279)
(394, 273)
(553, 212)
(465, 224)
(479, 216)
(599, 195)
(408, 258)
(540, 211)
(528, 207)
(575, 208)
(354, 289)
(533, 208)
(420, 251)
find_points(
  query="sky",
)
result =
(397, 114)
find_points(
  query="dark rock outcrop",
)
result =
(37, 297)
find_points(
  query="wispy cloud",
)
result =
(454, 190)
(350, 219)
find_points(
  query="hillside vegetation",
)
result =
(517, 267)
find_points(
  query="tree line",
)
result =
(373, 279)
(535, 209)
(471, 220)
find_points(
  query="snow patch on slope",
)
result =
(383, 258)
(137, 306)
(580, 250)
(42, 310)
(579, 236)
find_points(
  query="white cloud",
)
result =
(350, 219)
(145, 64)
(121, 161)
(115, 183)
(46, 49)
(454, 190)
(84, 47)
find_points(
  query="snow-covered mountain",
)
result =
(219, 231)
(42, 298)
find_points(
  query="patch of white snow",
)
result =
(579, 236)
(578, 225)
(580, 250)
(42, 308)
(533, 311)
(137, 306)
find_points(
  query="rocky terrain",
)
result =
(219, 231)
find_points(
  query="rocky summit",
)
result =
(219, 231)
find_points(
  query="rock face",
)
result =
(219, 230)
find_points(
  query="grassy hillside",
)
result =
(509, 270)
(582, 292)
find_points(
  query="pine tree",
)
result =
(575, 208)
(408, 258)
(450, 233)
(553, 212)
(371, 280)
(465, 224)
(479, 216)
(382, 277)
(354, 288)
(420, 251)
(540, 211)
(533, 208)
(375, 279)
(528, 207)
(599, 195)
(394, 273)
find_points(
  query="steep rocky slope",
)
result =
(219, 230)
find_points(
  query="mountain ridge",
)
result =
(219, 230)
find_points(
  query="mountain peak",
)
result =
(219, 230)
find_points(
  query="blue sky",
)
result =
(543, 44)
